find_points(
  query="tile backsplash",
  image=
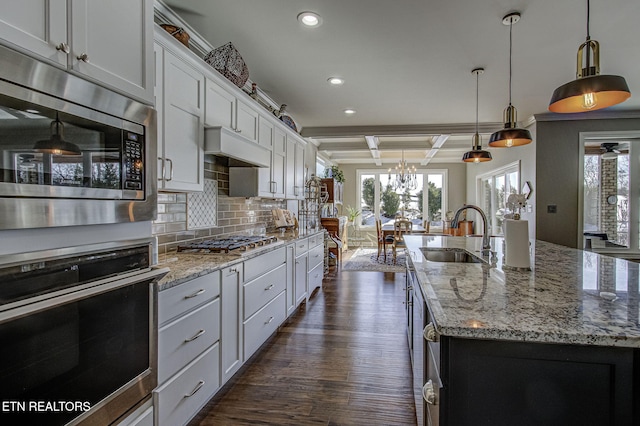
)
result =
(235, 215)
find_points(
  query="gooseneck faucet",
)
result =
(486, 244)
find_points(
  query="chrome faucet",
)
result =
(486, 244)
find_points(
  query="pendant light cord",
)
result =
(510, 47)
(588, 13)
(477, 77)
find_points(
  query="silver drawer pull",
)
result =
(197, 388)
(429, 333)
(63, 47)
(233, 271)
(269, 320)
(317, 255)
(197, 293)
(269, 288)
(195, 336)
(428, 393)
(83, 57)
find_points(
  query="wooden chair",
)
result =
(382, 241)
(400, 227)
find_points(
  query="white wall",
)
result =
(526, 155)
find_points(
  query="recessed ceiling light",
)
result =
(349, 111)
(310, 19)
(335, 81)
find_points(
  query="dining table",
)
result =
(387, 229)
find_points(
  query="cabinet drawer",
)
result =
(314, 240)
(182, 340)
(315, 278)
(302, 246)
(263, 324)
(178, 400)
(260, 291)
(184, 297)
(257, 266)
(316, 257)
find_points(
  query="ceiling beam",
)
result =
(372, 142)
(438, 141)
(396, 130)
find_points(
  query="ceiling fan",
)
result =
(611, 150)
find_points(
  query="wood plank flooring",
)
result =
(342, 359)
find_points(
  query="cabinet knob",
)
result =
(63, 47)
(237, 130)
(429, 333)
(428, 393)
(83, 57)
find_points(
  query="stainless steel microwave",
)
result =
(71, 152)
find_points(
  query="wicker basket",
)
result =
(179, 33)
(228, 62)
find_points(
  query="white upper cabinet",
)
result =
(109, 42)
(295, 169)
(180, 93)
(37, 27)
(224, 109)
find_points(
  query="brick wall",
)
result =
(608, 186)
(235, 215)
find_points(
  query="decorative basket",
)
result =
(228, 62)
(179, 33)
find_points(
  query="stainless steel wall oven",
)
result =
(77, 331)
(71, 152)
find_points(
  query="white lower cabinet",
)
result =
(315, 265)
(301, 278)
(141, 416)
(291, 279)
(180, 398)
(188, 349)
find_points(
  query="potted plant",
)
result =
(335, 173)
(352, 214)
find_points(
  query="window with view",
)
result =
(378, 198)
(494, 188)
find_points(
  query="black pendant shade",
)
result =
(589, 94)
(590, 91)
(56, 144)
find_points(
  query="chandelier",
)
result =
(405, 177)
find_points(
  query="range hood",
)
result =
(223, 142)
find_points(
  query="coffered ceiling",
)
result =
(407, 65)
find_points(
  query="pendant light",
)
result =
(477, 154)
(56, 143)
(590, 91)
(511, 135)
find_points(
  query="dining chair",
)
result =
(400, 227)
(382, 241)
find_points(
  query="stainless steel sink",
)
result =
(449, 255)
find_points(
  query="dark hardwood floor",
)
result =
(342, 359)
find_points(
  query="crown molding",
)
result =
(594, 115)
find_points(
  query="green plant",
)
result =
(335, 173)
(352, 213)
(390, 202)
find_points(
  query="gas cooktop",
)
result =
(225, 245)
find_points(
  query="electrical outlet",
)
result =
(552, 208)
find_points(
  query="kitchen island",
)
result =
(555, 345)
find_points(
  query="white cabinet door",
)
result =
(301, 278)
(36, 27)
(183, 129)
(290, 169)
(231, 321)
(277, 174)
(298, 189)
(111, 42)
(246, 121)
(220, 106)
(265, 132)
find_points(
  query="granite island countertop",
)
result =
(570, 296)
(185, 266)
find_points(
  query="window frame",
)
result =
(377, 193)
(504, 171)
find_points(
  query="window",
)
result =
(494, 188)
(377, 199)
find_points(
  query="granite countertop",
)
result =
(185, 266)
(570, 296)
